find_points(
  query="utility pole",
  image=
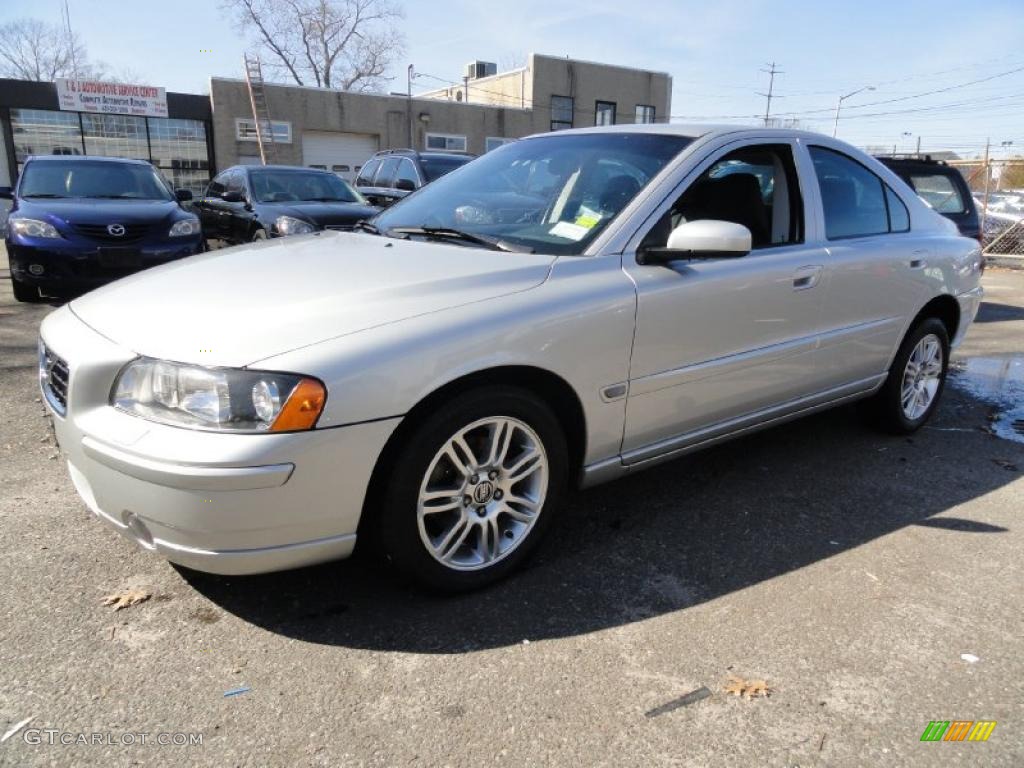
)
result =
(410, 74)
(984, 205)
(772, 72)
(918, 153)
(839, 105)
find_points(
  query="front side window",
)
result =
(853, 198)
(604, 113)
(939, 191)
(292, 186)
(644, 114)
(92, 179)
(552, 194)
(561, 112)
(754, 186)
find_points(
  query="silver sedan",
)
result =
(562, 311)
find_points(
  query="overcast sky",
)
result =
(713, 49)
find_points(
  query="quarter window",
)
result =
(899, 217)
(604, 113)
(561, 112)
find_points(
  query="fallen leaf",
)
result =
(127, 597)
(748, 689)
(1008, 465)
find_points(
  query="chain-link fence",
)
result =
(998, 189)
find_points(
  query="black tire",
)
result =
(24, 292)
(886, 406)
(258, 234)
(397, 526)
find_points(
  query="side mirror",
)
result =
(702, 239)
(6, 193)
(406, 185)
(183, 195)
(232, 196)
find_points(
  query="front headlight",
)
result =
(184, 228)
(32, 227)
(230, 400)
(289, 225)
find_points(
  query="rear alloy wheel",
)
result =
(916, 380)
(474, 489)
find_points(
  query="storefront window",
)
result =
(115, 136)
(179, 150)
(45, 132)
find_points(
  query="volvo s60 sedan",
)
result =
(565, 310)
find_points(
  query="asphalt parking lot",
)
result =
(848, 570)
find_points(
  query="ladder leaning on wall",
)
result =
(260, 112)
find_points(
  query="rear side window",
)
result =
(939, 191)
(386, 175)
(365, 177)
(856, 202)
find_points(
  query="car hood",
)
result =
(323, 214)
(239, 305)
(90, 211)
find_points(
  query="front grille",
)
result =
(53, 379)
(132, 232)
(339, 227)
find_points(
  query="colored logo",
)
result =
(958, 730)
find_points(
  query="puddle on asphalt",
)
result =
(998, 381)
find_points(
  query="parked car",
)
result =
(438, 381)
(79, 222)
(254, 202)
(941, 186)
(392, 174)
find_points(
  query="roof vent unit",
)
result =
(477, 69)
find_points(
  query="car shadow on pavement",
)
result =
(661, 541)
(993, 312)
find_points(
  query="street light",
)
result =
(839, 106)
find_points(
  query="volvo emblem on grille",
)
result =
(117, 230)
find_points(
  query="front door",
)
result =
(720, 340)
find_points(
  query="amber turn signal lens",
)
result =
(302, 408)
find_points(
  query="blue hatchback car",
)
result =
(79, 222)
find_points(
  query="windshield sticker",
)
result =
(569, 231)
(588, 217)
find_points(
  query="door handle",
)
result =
(806, 277)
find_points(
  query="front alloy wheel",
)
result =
(471, 488)
(482, 493)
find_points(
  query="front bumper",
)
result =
(68, 266)
(221, 503)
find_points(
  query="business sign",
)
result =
(111, 98)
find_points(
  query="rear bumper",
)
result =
(969, 302)
(221, 503)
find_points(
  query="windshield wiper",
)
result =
(494, 243)
(47, 195)
(365, 226)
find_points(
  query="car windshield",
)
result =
(436, 166)
(93, 179)
(551, 194)
(295, 186)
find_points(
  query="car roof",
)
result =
(98, 158)
(279, 168)
(688, 130)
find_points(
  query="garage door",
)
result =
(343, 153)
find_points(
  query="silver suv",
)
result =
(565, 310)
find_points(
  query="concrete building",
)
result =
(192, 137)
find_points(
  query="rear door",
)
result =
(874, 267)
(721, 341)
(211, 208)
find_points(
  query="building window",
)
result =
(444, 142)
(178, 148)
(45, 132)
(115, 136)
(644, 113)
(604, 113)
(493, 142)
(561, 112)
(245, 130)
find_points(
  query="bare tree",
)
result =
(34, 50)
(345, 44)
